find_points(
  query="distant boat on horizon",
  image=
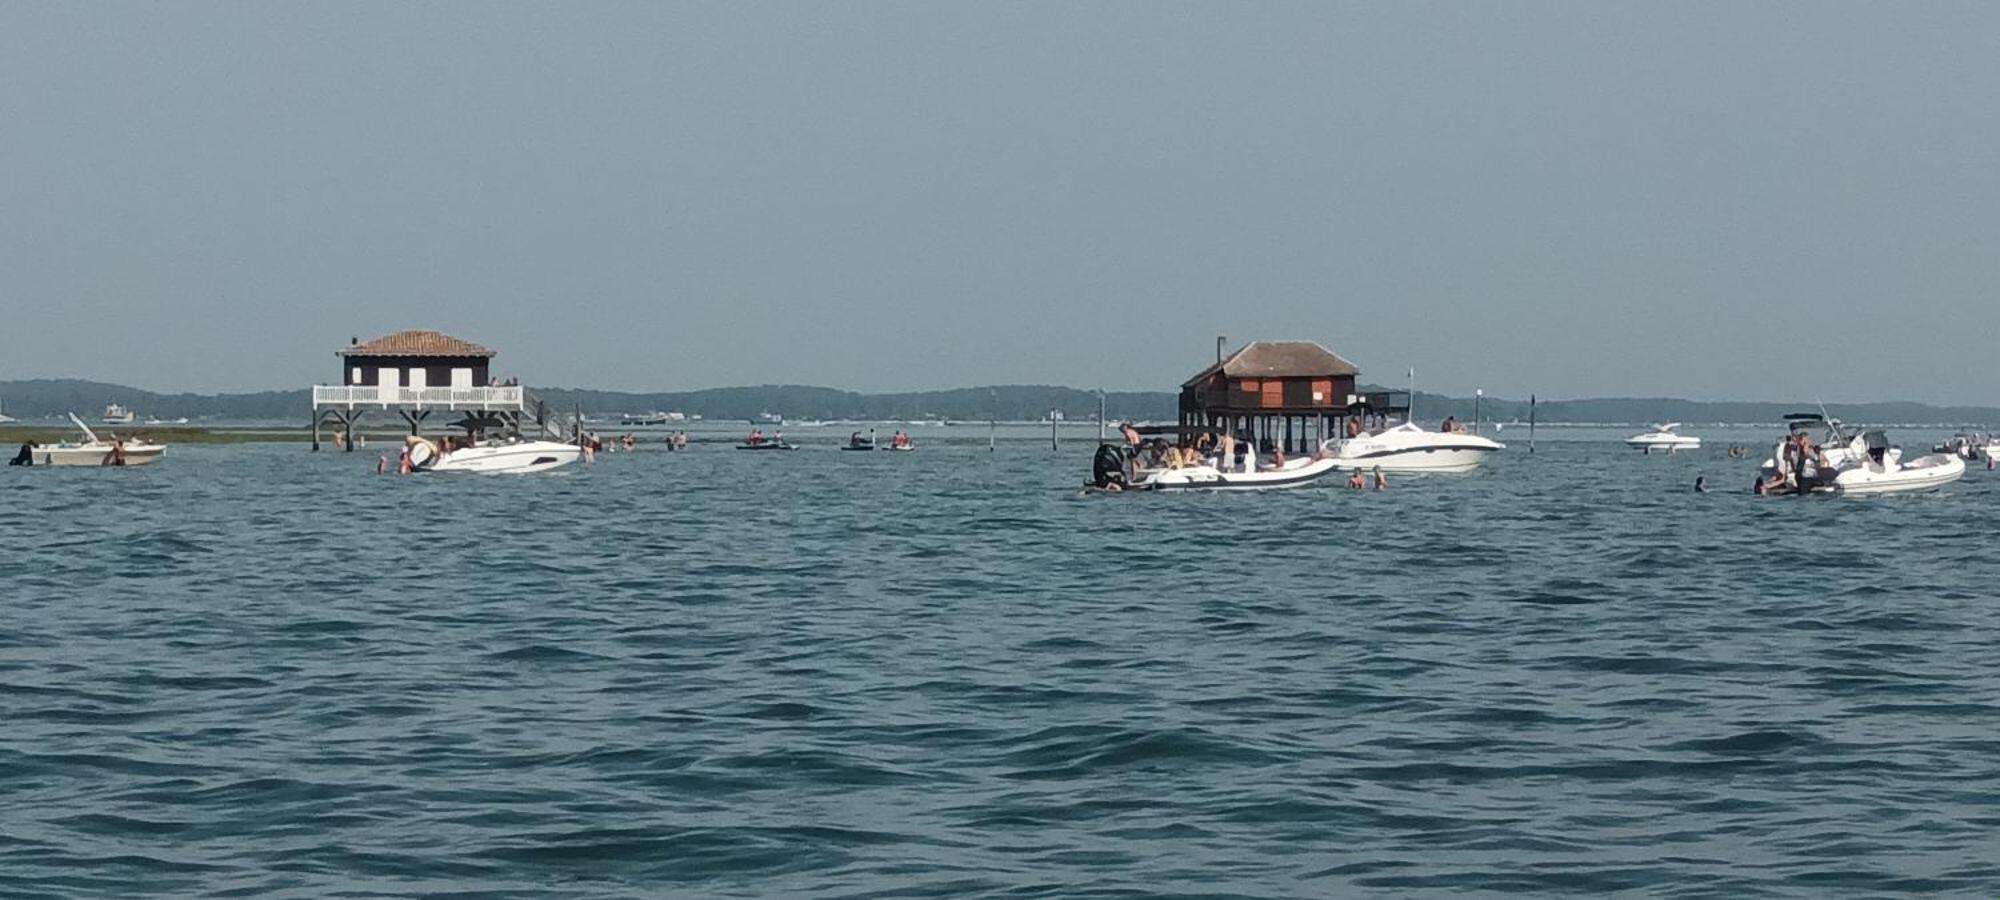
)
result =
(117, 415)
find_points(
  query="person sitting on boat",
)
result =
(1131, 434)
(1781, 468)
(854, 440)
(26, 457)
(1353, 426)
(1277, 457)
(756, 437)
(1184, 457)
(1450, 425)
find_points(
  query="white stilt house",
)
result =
(418, 373)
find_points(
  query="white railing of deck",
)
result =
(509, 397)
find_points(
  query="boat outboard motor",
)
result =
(26, 457)
(1108, 467)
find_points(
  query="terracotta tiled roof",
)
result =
(1280, 359)
(416, 343)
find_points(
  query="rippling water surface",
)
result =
(252, 670)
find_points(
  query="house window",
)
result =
(354, 375)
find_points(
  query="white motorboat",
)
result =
(1864, 464)
(4, 417)
(117, 415)
(96, 451)
(1664, 437)
(1969, 445)
(1294, 473)
(495, 457)
(1111, 473)
(1887, 473)
(1409, 448)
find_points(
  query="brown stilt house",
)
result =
(417, 373)
(1290, 394)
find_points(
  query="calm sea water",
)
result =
(257, 671)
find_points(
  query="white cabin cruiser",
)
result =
(1664, 437)
(1409, 448)
(96, 451)
(117, 415)
(494, 457)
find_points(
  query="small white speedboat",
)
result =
(1891, 475)
(1664, 437)
(1865, 465)
(96, 451)
(1969, 445)
(1409, 448)
(497, 457)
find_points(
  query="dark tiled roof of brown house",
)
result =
(1279, 359)
(416, 343)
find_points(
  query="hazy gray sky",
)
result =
(1748, 200)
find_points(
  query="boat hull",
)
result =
(94, 456)
(1209, 478)
(1681, 444)
(506, 459)
(1926, 474)
(1447, 460)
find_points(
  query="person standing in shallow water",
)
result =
(1356, 481)
(1381, 483)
